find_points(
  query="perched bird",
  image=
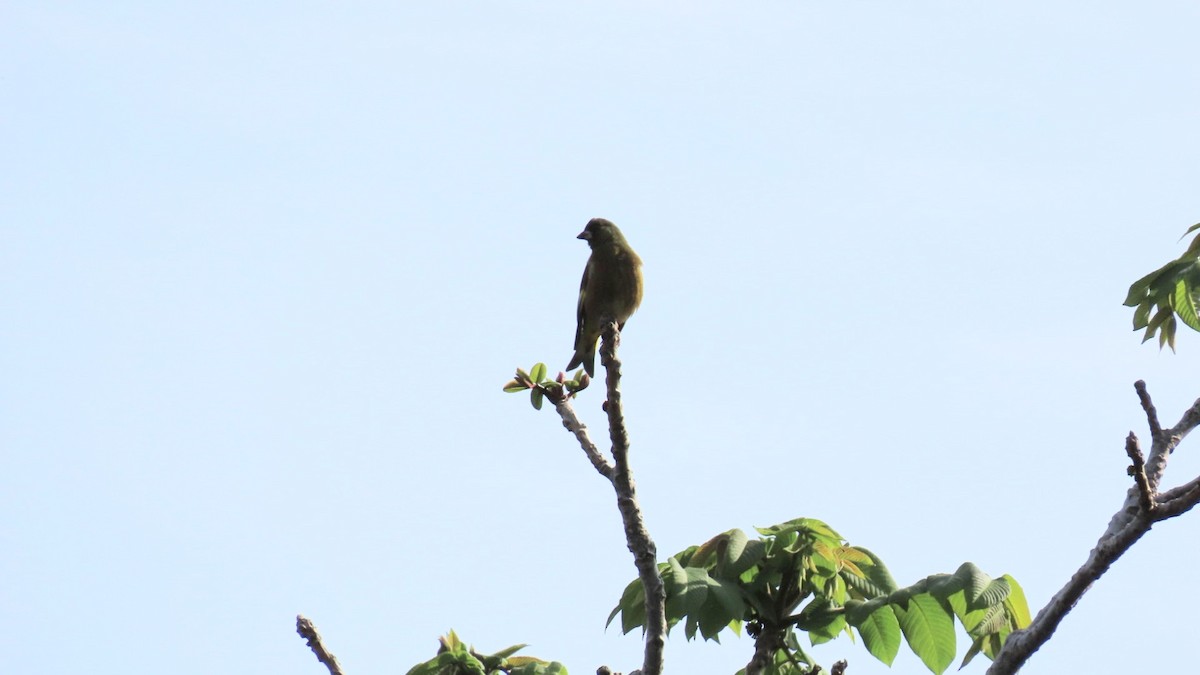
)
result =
(611, 288)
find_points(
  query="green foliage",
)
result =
(540, 387)
(456, 658)
(801, 576)
(1171, 291)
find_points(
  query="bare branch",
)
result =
(1151, 412)
(1178, 500)
(575, 426)
(645, 554)
(1189, 421)
(308, 631)
(1138, 471)
(1142, 508)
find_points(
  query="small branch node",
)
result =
(1138, 471)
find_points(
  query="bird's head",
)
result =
(599, 231)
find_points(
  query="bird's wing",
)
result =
(579, 310)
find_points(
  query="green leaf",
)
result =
(976, 647)
(829, 631)
(995, 593)
(718, 612)
(538, 373)
(509, 651)
(929, 629)
(512, 386)
(535, 397)
(1194, 247)
(880, 632)
(1160, 317)
(729, 595)
(632, 607)
(1137, 291)
(1015, 605)
(975, 582)
(687, 589)
(1141, 315)
(1185, 307)
(878, 573)
(822, 620)
(808, 525)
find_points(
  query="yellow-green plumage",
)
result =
(611, 289)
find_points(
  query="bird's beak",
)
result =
(584, 236)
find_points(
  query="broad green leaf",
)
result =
(942, 585)
(853, 554)
(1141, 315)
(994, 621)
(824, 558)
(929, 629)
(975, 582)
(512, 386)
(880, 632)
(731, 553)
(684, 557)
(817, 613)
(1137, 291)
(865, 587)
(714, 616)
(535, 397)
(969, 618)
(706, 552)
(1160, 317)
(851, 570)
(995, 593)
(632, 607)
(750, 556)
(687, 589)
(729, 596)
(1185, 307)
(1015, 605)
(829, 631)
(878, 572)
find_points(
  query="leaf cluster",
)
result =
(801, 576)
(457, 658)
(1171, 291)
(541, 387)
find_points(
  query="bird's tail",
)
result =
(585, 356)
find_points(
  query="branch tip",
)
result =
(308, 631)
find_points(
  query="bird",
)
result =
(611, 289)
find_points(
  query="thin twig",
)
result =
(1161, 449)
(573, 424)
(1138, 471)
(1127, 526)
(308, 631)
(645, 554)
(1177, 501)
(1151, 412)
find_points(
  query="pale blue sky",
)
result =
(266, 268)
